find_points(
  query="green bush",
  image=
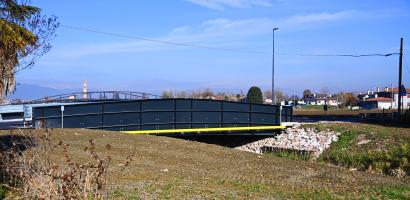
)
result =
(254, 95)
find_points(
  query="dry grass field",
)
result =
(169, 168)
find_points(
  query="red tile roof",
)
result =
(379, 99)
(396, 90)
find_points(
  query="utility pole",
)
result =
(273, 67)
(400, 77)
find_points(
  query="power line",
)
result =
(221, 49)
(341, 55)
(158, 41)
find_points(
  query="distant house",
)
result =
(301, 102)
(310, 100)
(286, 103)
(268, 101)
(376, 103)
(322, 99)
(334, 101)
(219, 97)
(382, 96)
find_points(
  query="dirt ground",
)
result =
(169, 168)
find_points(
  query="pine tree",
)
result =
(254, 95)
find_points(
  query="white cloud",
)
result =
(249, 27)
(222, 4)
(218, 29)
(321, 17)
(219, 33)
(215, 33)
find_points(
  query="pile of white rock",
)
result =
(296, 138)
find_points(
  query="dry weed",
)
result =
(34, 175)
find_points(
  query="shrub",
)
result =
(254, 95)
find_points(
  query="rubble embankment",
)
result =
(295, 138)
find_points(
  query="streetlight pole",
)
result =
(273, 67)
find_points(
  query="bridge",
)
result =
(165, 116)
(144, 113)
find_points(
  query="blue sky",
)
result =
(305, 27)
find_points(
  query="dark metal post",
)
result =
(192, 110)
(273, 67)
(102, 116)
(140, 116)
(280, 115)
(175, 114)
(400, 77)
(250, 115)
(222, 115)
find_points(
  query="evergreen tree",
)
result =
(254, 95)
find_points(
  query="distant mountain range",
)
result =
(32, 92)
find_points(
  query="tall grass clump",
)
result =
(393, 161)
(29, 172)
(387, 150)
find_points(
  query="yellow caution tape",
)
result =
(205, 130)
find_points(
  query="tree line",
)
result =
(255, 95)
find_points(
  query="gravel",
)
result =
(295, 138)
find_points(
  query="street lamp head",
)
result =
(274, 29)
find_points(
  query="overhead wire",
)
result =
(218, 48)
(157, 40)
(341, 55)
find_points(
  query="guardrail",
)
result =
(95, 96)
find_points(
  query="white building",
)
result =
(301, 102)
(405, 101)
(330, 100)
(382, 96)
(377, 103)
(268, 101)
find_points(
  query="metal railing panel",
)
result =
(157, 114)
